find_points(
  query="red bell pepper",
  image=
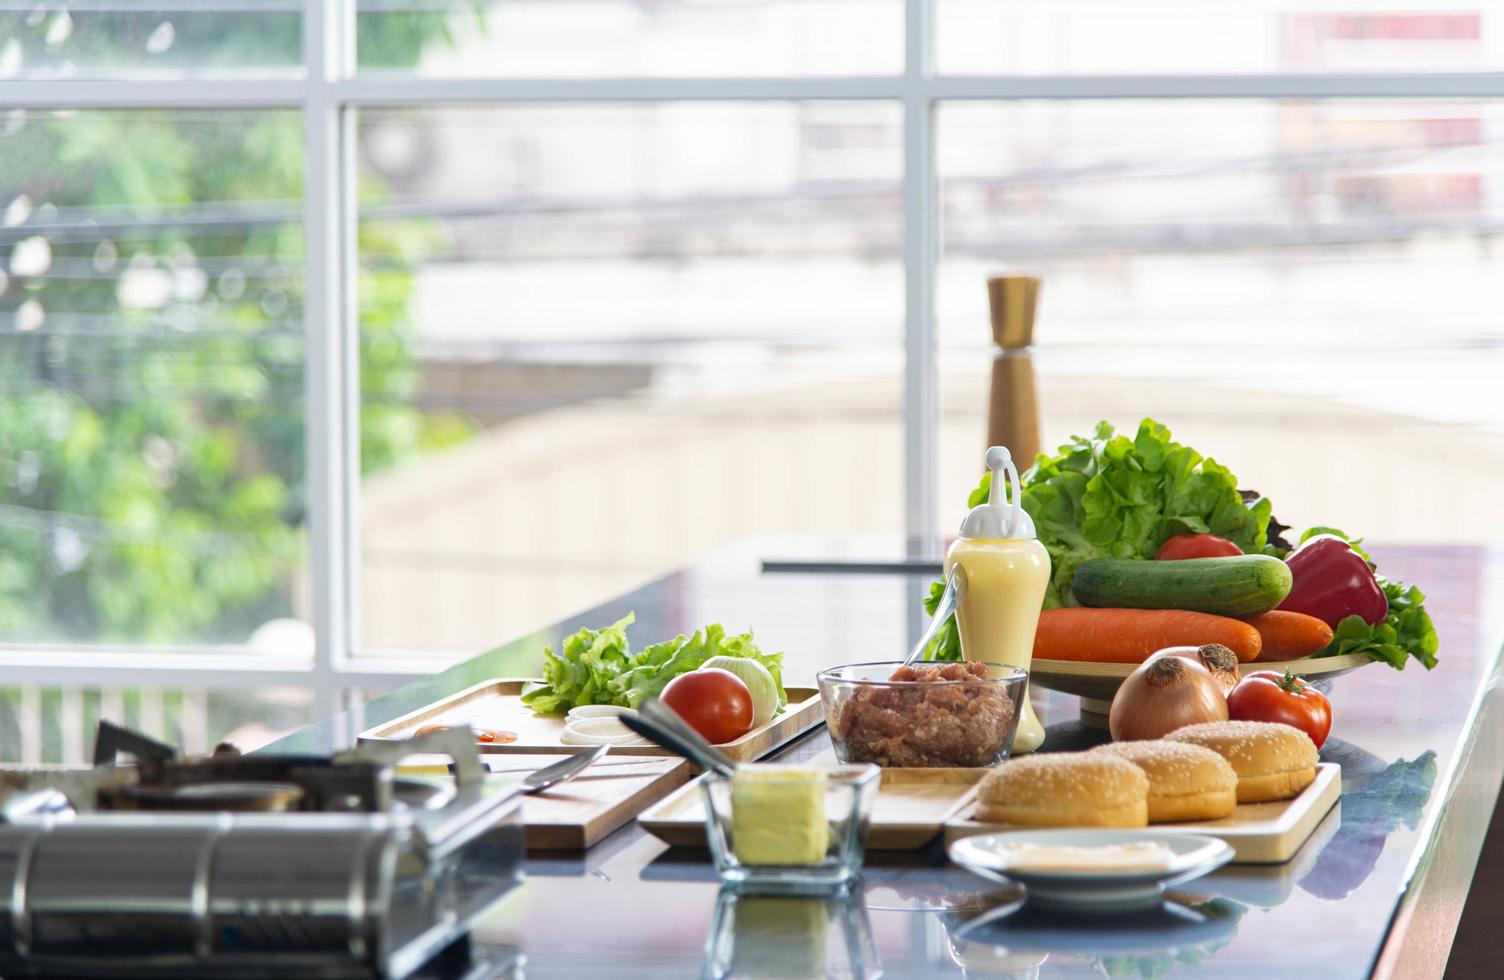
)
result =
(1332, 581)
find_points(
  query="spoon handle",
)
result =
(658, 723)
(955, 590)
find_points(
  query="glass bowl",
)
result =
(965, 723)
(832, 860)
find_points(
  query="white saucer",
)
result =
(1092, 891)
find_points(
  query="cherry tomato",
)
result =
(1196, 546)
(1268, 695)
(715, 703)
(487, 735)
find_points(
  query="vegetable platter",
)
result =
(1154, 545)
(1096, 683)
(498, 704)
(724, 687)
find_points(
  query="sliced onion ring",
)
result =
(600, 731)
(595, 711)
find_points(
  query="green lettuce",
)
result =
(1110, 496)
(598, 666)
(1115, 497)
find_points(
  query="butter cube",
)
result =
(778, 815)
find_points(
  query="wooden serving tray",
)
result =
(1096, 683)
(1260, 833)
(912, 807)
(573, 815)
(498, 704)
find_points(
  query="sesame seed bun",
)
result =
(1065, 789)
(1273, 761)
(1186, 782)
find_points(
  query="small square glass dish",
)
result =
(789, 828)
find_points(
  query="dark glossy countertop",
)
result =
(1378, 889)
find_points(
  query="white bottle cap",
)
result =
(1002, 516)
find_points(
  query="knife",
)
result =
(564, 769)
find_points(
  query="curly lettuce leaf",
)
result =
(580, 674)
(1110, 496)
(1406, 632)
(598, 666)
(660, 663)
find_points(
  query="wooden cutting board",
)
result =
(1260, 833)
(574, 815)
(497, 704)
(912, 807)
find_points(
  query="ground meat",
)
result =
(926, 725)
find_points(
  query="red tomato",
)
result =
(1268, 695)
(1196, 546)
(715, 702)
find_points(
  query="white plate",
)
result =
(1194, 855)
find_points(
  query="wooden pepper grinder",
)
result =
(1013, 402)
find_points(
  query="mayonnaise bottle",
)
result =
(1007, 572)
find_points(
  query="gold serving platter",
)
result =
(1096, 683)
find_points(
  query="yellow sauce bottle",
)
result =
(1007, 572)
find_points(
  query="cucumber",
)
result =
(1240, 586)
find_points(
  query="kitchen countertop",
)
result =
(1378, 889)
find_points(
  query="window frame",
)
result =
(329, 92)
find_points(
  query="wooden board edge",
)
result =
(808, 702)
(382, 731)
(675, 779)
(678, 833)
(809, 714)
(1247, 849)
(580, 837)
(910, 836)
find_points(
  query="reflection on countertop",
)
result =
(631, 906)
(779, 936)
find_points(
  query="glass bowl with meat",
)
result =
(923, 714)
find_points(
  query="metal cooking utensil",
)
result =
(955, 591)
(658, 723)
(563, 770)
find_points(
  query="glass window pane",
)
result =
(151, 359)
(1308, 290)
(599, 341)
(622, 38)
(51, 725)
(165, 37)
(1068, 37)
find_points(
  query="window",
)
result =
(342, 338)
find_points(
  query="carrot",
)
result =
(1128, 636)
(1288, 635)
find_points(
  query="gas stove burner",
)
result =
(243, 797)
(152, 864)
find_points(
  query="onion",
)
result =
(606, 730)
(1215, 657)
(1166, 692)
(594, 711)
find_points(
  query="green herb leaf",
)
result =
(598, 666)
(1111, 496)
(1354, 543)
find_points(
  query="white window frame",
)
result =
(329, 88)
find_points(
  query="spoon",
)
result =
(955, 591)
(658, 723)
